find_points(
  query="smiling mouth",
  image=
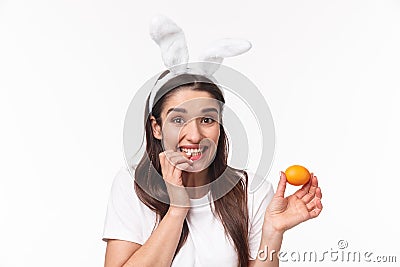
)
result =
(194, 153)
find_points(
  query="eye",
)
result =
(207, 120)
(177, 120)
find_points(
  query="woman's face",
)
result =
(191, 124)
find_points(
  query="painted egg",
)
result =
(297, 175)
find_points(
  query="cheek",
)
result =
(213, 133)
(170, 136)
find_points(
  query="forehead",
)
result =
(190, 99)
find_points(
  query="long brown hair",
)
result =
(231, 209)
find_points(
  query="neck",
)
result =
(199, 181)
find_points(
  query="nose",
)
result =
(192, 132)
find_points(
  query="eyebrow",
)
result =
(209, 110)
(182, 110)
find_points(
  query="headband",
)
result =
(172, 42)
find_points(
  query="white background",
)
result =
(69, 69)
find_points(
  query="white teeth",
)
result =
(191, 150)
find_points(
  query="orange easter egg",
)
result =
(297, 175)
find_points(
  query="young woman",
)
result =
(159, 218)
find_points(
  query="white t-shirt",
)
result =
(129, 219)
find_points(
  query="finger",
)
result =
(172, 156)
(178, 159)
(174, 181)
(304, 189)
(317, 210)
(168, 154)
(312, 204)
(188, 155)
(161, 156)
(184, 166)
(311, 192)
(168, 167)
(280, 191)
(177, 176)
(318, 193)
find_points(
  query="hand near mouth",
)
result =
(172, 165)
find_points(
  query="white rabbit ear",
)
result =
(220, 49)
(171, 40)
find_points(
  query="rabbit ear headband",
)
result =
(174, 51)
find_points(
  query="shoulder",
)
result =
(127, 218)
(259, 191)
(124, 197)
(123, 190)
(123, 178)
(256, 184)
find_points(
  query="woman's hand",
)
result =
(284, 213)
(172, 164)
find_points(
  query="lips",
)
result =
(193, 150)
